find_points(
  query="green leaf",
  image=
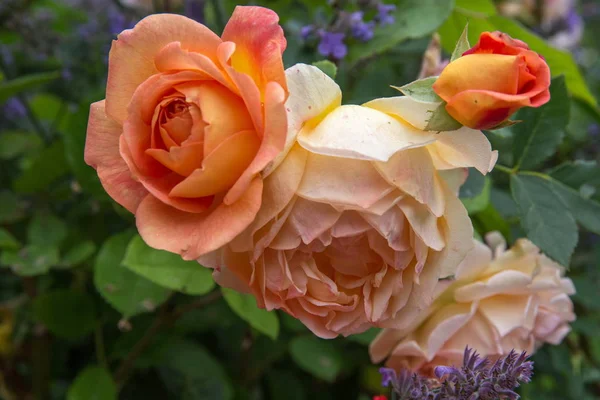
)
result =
(544, 216)
(15, 143)
(560, 62)
(93, 383)
(489, 220)
(244, 305)
(11, 209)
(292, 324)
(481, 200)
(542, 129)
(31, 260)
(167, 269)
(477, 8)
(421, 90)
(78, 254)
(442, 121)
(66, 313)
(24, 83)
(125, 290)
(191, 373)
(586, 292)
(48, 165)
(366, 337)
(285, 385)
(329, 68)
(414, 19)
(45, 229)
(318, 357)
(47, 107)
(8, 241)
(462, 45)
(586, 211)
(577, 174)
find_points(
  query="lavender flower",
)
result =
(383, 14)
(360, 29)
(194, 9)
(306, 31)
(14, 108)
(332, 45)
(475, 380)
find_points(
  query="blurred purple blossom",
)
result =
(332, 45)
(306, 31)
(594, 130)
(383, 14)
(14, 108)
(194, 9)
(360, 29)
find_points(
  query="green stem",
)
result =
(507, 170)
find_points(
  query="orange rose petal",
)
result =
(159, 187)
(493, 72)
(182, 160)
(259, 44)
(221, 168)
(193, 235)
(223, 111)
(131, 58)
(178, 128)
(480, 109)
(102, 153)
(272, 143)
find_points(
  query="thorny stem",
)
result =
(164, 318)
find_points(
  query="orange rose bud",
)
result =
(492, 80)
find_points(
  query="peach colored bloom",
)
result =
(189, 121)
(515, 299)
(492, 80)
(359, 216)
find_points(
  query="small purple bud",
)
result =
(360, 29)
(442, 370)
(388, 376)
(14, 108)
(383, 14)
(332, 44)
(306, 31)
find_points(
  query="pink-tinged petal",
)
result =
(131, 59)
(342, 181)
(160, 187)
(312, 96)
(183, 160)
(221, 168)
(423, 223)
(259, 43)
(464, 148)
(192, 235)
(310, 219)
(368, 134)
(412, 171)
(102, 153)
(273, 140)
(477, 334)
(383, 344)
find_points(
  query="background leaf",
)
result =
(318, 357)
(66, 313)
(244, 305)
(93, 383)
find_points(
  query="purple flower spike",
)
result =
(360, 29)
(383, 14)
(332, 44)
(388, 376)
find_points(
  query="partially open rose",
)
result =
(189, 121)
(492, 80)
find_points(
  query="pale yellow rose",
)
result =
(359, 215)
(516, 299)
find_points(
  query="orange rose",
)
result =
(492, 80)
(189, 121)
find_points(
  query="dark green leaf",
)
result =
(366, 337)
(586, 211)
(125, 290)
(31, 260)
(244, 305)
(577, 173)
(318, 357)
(329, 68)
(414, 19)
(504, 203)
(66, 313)
(93, 383)
(544, 216)
(421, 90)
(15, 143)
(46, 229)
(11, 209)
(48, 166)
(442, 121)
(542, 129)
(292, 324)
(15, 86)
(78, 254)
(462, 45)
(167, 269)
(285, 385)
(8, 241)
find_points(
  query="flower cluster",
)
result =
(478, 378)
(332, 37)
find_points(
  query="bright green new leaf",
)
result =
(441, 121)
(46, 229)
(167, 269)
(318, 357)
(462, 45)
(329, 68)
(421, 90)
(125, 290)
(93, 383)
(8, 241)
(544, 216)
(15, 86)
(476, 8)
(560, 62)
(244, 305)
(414, 19)
(66, 313)
(542, 129)
(480, 201)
